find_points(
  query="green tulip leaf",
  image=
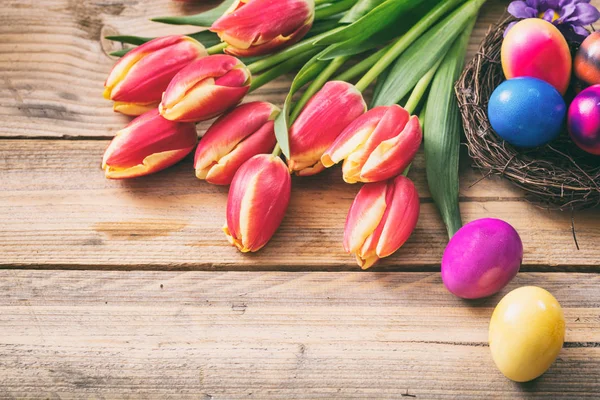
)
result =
(129, 39)
(360, 9)
(423, 54)
(375, 21)
(206, 18)
(207, 38)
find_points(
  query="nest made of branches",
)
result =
(557, 175)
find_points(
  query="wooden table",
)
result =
(129, 289)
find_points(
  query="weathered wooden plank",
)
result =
(73, 334)
(57, 209)
(54, 62)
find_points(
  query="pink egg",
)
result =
(481, 258)
(584, 120)
(536, 48)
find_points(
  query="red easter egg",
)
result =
(535, 48)
(587, 60)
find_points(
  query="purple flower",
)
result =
(569, 16)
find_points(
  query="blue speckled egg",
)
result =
(527, 112)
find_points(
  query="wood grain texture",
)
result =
(54, 60)
(58, 209)
(211, 335)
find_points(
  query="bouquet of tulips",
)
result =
(409, 50)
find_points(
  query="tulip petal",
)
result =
(392, 121)
(148, 144)
(204, 102)
(133, 109)
(364, 216)
(361, 138)
(261, 26)
(277, 43)
(261, 141)
(321, 121)
(144, 73)
(226, 134)
(355, 135)
(258, 198)
(392, 156)
(194, 95)
(153, 163)
(381, 219)
(400, 218)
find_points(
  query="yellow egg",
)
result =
(527, 331)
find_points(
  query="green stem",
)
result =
(322, 27)
(277, 150)
(362, 66)
(319, 2)
(317, 84)
(217, 48)
(403, 42)
(421, 88)
(334, 9)
(281, 69)
(298, 48)
(405, 173)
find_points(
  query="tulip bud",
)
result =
(233, 139)
(205, 89)
(148, 144)
(139, 78)
(256, 27)
(377, 146)
(381, 219)
(321, 121)
(258, 198)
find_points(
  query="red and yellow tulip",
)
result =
(257, 27)
(377, 146)
(205, 89)
(148, 144)
(381, 219)
(137, 81)
(258, 198)
(321, 121)
(234, 138)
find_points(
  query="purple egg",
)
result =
(481, 258)
(584, 120)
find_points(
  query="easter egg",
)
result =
(481, 258)
(587, 60)
(584, 120)
(527, 331)
(526, 112)
(536, 48)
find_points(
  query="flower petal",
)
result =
(364, 216)
(401, 216)
(520, 9)
(230, 130)
(143, 74)
(258, 197)
(353, 137)
(392, 156)
(148, 144)
(204, 102)
(321, 121)
(261, 141)
(585, 14)
(260, 26)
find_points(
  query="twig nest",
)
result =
(557, 175)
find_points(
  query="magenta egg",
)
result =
(584, 120)
(481, 258)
